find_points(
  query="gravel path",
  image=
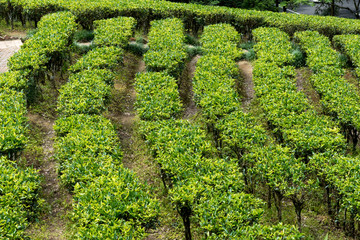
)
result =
(7, 49)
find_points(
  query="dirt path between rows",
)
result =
(247, 85)
(186, 89)
(303, 84)
(136, 155)
(52, 225)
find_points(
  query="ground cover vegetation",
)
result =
(220, 172)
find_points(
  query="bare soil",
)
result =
(186, 89)
(303, 84)
(52, 224)
(121, 109)
(247, 84)
(15, 34)
(136, 155)
(351, 77)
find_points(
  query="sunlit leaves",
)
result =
(114, 31)
(167, 46)
(19, 194)
(157, 96)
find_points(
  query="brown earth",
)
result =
(247, 84)
(136, 154)
(52, 225)
(186, 90)
(303, 84)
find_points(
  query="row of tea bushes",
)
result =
(325, 146)
(238, 135)
(273, 45)
(157, 92)
(107, 31)
(21, 76)
(223, 42)
(167, 47)
(109, 201)
(194, 16)
(289, 114)
(339, 98)
(19, 198)
(52, 39)
(19, 188)
(205, 191)
(157, 96)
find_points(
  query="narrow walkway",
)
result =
(186, 89)
(247, 85)
(52, 223)
(7, 49)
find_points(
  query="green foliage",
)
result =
(19, 192)
(12, 121)
(109, 201)
(114, 31)
(350, 45)
(341, 173)
(239, 132)
(65, 125)
(320, 56)
(339, 98)
(83, 36)
(221, 39)
(104, 57)
(214, 86)
(279, 231)
(14, 80)
(211, 188)
(167, 47)
(86, 92)
(195, 16)
(157, 96)
(54, 35)
(74, 150)
(273, 45)
(114, 206)
(214, 79)
(282, 171)
(292, 118)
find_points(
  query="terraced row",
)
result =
(19, 188)
(109, 201)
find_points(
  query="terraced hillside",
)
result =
(179, 121)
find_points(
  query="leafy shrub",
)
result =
(157, 96)
(115, 206)
(349, 45)
(221, 39)
(13, 80)
(167, 47)
(320, 56)
(86, 92)
(65, 125)
(19, 198)
(12, 121)
(104, 57)
(273, 45)
(114, 31)
(53, 36)
(339, 98)
(214, 86)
